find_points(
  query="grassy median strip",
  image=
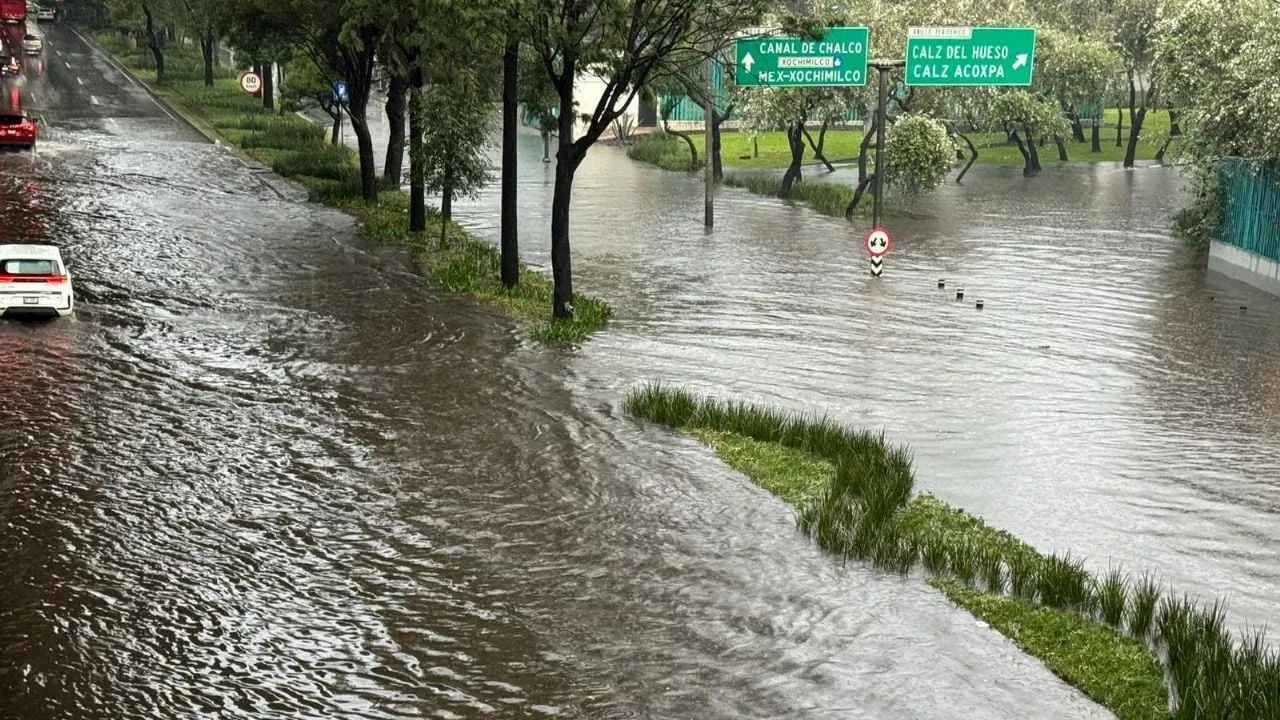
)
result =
(772, 151)
(854, 496)
(296, 148)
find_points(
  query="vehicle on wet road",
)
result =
(32, 45)
(13, 11)
(45, 14)
(9, 66)
(17, 129)
(34, 281)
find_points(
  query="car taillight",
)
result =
(33, 278)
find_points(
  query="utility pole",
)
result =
(885, 67)
(709, 173)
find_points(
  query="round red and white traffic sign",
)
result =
(879, 242)
(250, 82)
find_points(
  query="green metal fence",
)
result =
(1251, 212)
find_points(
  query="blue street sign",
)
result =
(340, 92)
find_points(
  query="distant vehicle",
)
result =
(32, 45)
(13, 11)
(9, 66)
(17, 129)
(34, 281)
(46, 14)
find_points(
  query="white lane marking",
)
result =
(64, 62)
(80, 80)
(124, 72)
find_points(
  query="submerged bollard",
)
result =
(959, 293)
(1244, 308)
(942, 283)
(979, 304)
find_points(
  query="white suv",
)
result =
(34, 281)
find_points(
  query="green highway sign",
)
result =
(970, 56)
(839, 58)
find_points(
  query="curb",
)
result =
(259, 170)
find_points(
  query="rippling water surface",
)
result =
(1109, 399)
(266, 473)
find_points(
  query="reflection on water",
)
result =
(1109, 398)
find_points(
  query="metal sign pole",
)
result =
(882, 121)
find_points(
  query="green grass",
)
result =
(827, 198)
(1118, 672)
(771, 150)
(790, 474)
(296, 148)
(854, 492)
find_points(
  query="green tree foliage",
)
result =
(622, 42)
(1028, 118)
(918, 154)
(1075, 70)
(1216, 61)
(457, 121)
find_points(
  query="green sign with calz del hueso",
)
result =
(970, 56)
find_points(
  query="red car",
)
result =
(17, 129)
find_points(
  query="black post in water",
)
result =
(882, 117)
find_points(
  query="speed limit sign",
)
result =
(250, 82)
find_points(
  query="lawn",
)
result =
(771, 150)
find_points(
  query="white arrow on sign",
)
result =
(1019, 60)
(748, 61)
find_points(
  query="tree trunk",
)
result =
(864, 148)
(1096, 136)
(207, 50)
(358, 71)
(858, 194)
(1062, 148)
(1175, 129)
(817, 146)
(154, 42)
(795, 138)
(717, 120)
(973, 155)
(693, 149)
(1032, 152)
(1119, 124)
(1163, 147)
(561, 257)
(1022, 149)
(1077, 127)
(394, 162)
(417, 173)
(1135, 133)
(268, 86)
(546, 147)
(446, 206)
(510, 104)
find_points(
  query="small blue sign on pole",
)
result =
(340, 93)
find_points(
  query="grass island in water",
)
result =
(1126, 644)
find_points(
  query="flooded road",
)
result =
(1109, 399)
(266, 473)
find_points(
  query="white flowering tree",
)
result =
(790, 110)
(1216, 60)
